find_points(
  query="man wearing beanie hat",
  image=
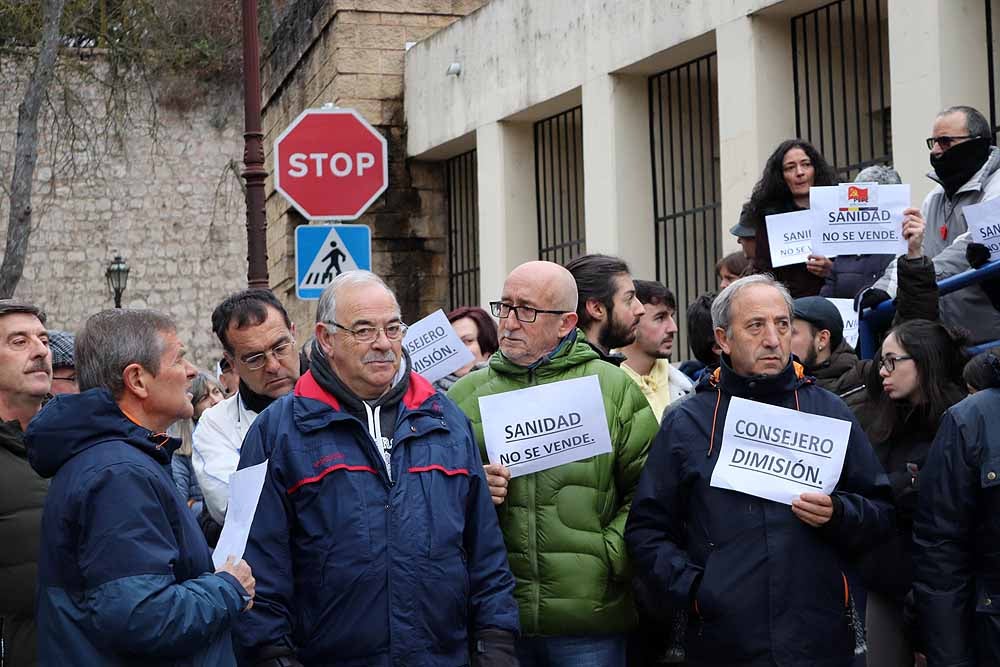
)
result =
(63, 366)
(818, 342)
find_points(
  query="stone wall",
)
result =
(350, 53)
(160, 191)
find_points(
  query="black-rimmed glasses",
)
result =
(945, 142)
(889, 363)
(525, 314)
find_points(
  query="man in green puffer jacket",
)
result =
(564, 526)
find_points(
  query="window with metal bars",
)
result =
(684, 145)
(559, 186)
(840, 60)
(463, 231)
(992, 31)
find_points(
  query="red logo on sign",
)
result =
(331, 164)
(856, 194)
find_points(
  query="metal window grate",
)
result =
(840, 60)
(463, 230)
(684, 145)
(559, 186)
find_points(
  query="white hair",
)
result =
(326, 309)
(723, 304)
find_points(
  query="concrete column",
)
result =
(618, 190)
(756, 106)
(508, 231)
(937, 57)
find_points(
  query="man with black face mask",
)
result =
(966, 168)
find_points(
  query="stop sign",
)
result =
(331, 164)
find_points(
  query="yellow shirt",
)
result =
(661, 386)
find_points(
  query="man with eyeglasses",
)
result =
(258, 341)
(563, 526)
(374, 541)
(965, 168)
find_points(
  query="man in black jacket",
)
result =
(955, 530)
(25, 379)
(763, 580)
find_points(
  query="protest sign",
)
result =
(435, 349)
(542, 427)
(859, 219)
(244, 493)
(850, 317)
(790, 237)
(983, 221)
(779, 454)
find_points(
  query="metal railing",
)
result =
(684, 148)
(463, 230)
(559, 186)
(840, 63)
(880, 317)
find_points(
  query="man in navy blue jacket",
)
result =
(763, 581)
(375, 541)
(124, 574)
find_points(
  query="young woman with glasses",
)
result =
(919, 378)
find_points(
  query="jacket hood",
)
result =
(73, 423)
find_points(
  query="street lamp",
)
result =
(117, 275)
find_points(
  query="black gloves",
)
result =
(977, 255)
(871, 298)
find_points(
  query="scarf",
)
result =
(959, 163)
(253, 400)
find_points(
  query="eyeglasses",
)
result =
(946, 142)
(525, 314)
(256, 361)
(889, 363)
(367, 334)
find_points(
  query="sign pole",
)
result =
(253, 152)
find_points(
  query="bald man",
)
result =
(563, 526)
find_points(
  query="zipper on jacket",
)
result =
(536, 602)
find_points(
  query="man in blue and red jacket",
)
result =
(375, 541)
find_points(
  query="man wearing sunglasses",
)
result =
(563, 526)
(965, 168)
(258, 341)
(374, 541)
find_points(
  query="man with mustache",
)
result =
(647, 360)
(607, 310)
(762, 581)
(258, 340)
(374, 541)
(563, 526)
(25, 379)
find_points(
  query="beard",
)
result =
(811, 358)
(615, 334)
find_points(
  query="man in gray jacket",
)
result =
(965, 167)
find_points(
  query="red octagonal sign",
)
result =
(331, 164)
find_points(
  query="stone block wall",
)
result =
(161, 193)
(350, 53)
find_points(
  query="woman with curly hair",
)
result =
(793, 168)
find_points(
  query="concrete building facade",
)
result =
(680, 104)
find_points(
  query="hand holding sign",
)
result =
(497, 478)
(913, 231)
(815, 509)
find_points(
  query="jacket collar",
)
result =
(309, 417)
(759, 386)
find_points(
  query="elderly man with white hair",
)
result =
(374, 541)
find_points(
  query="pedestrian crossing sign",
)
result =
(322, 252)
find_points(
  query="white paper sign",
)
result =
(859, 219)
(779, 454)
(984, 223)
(790, 237)
(850, 317)
(244, 493)
(542, 427)
(435, 349)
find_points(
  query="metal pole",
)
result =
(253, 152)
(118, 298)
